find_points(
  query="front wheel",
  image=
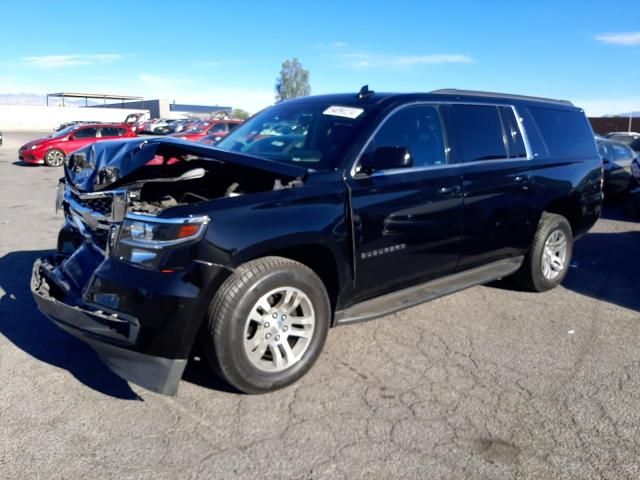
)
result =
(267, 324)
(54, 158)
(547, 262)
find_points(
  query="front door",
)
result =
(80, 138)
(407, 222)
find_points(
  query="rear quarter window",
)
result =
(566, 133)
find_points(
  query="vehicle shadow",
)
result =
(604, 266)
(20, 163)
(201, 374)
(616, 210)
(23, 325)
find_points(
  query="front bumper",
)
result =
(111, 335)
(28, 156)
(142, 323)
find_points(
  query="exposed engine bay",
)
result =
(197, 184)
(173, 174)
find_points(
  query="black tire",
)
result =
(530, 275)
(54, 158)
(225, 334)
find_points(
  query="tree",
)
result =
(240, 114)
(293, 81)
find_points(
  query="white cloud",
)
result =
(368, 60)
(59, 61)
(601, 107)
(188, 90)
(338, 44)
(621, 38)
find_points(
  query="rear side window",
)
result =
(474, 132)
(515, 142)
(112, 132)
(566, 133)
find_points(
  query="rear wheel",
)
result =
(267, 324)
(54, 158)
(547, 262)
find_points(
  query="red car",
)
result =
(218, 127)
(52, 150)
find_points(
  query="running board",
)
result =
(412, 296)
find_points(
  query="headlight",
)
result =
(158, 233)
(144, 239)
(33, 147)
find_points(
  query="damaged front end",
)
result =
(133, 273)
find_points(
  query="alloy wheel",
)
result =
(554, 255)
(279, 328)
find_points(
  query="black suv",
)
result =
(316, 212)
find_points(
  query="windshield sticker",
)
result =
(346, 112)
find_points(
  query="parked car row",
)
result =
(165, 126)
(52, 149)
(216, 129)
(629, 138)
(617, 160)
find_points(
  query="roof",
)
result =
(507, 96)
(351, 99)
(102, 96)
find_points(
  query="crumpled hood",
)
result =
(100, 165)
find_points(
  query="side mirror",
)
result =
(71, 137)
(385, 158)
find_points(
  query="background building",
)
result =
(162, 108)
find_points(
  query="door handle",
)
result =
(448, 190)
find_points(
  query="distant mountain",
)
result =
(39, 100)
(22, 99)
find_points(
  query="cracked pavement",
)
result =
(487, 383)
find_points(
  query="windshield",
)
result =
(197, 128)
(63, 132)
(305, 134)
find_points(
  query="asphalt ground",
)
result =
(486, 383)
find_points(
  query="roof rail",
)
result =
(473, 93)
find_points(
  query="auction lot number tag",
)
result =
(346, 112)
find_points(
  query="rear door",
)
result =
(488, 144)
(407, 222)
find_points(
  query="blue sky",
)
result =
(230, 52)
